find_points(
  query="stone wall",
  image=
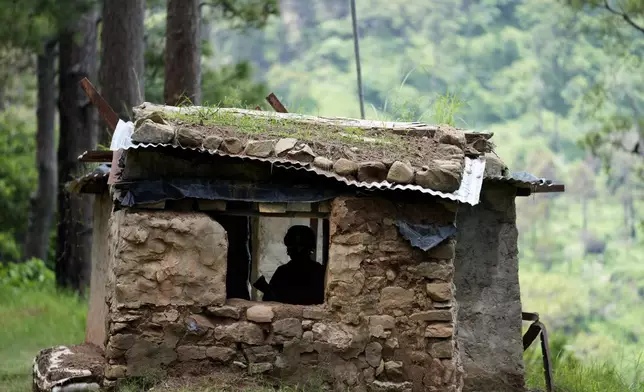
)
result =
(388, 323)
(488, 294)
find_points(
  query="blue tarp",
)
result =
(152, 191)
(425, 237)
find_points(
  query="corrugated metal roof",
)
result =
(527, 180)
(468, 192)
(92, 182)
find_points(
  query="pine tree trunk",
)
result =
(182, 53)
(43, 204)
(123, 47)
(78, 133)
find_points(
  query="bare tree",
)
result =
(122, 46)
(78, 132)
(182, 52)
(43, 203)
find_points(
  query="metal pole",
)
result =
(356, 48)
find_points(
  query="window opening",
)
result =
(279, 256)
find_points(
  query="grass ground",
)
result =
(32, 319)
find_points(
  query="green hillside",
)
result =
(538, 75)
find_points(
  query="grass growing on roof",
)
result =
(280, 127)
(326, 139)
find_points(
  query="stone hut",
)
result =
(416, 230)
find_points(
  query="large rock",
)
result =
(220, 354)
(439, 330)
(434, 271)
(372, 172)
(78, 368)
(289, 327)
(283, 146)
(168, 258)
(400, 173)
(152, 132)
(260, 314)
(394, 297)
(231, 145)
(494, 166)
(443, 349)
(240, 332)
(345, 167)
(189, 137)
(373, 354)
(189, 353)
(259, 148)
(323, 163)
(145, 356)
(212, 142)
(449, 135)
(440, 291)
(381, 326)
(342, 338)
(301, 153)
(441, 175)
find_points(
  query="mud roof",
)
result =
(358, 152)
(370, 155)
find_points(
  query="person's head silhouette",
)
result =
(300, 243)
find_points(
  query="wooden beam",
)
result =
(211, 205)
(97, 156)
(104, 109)
(254, 263)
(275, 103)
(287, 214)
(272, 208)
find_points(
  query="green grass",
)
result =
(31, 320)
(574, 376)
(570, 374)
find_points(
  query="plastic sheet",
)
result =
(425, 237)
(153, 191)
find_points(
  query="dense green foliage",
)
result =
(544, 77)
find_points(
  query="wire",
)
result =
(356, 48)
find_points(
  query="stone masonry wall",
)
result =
(388, 323)
(487, 281)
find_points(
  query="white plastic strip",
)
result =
(122, 138)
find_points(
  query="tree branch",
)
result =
(624, 16)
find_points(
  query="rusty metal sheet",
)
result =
(529, 181)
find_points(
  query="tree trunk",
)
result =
(43, 204)
(182, 53)
(78, 132)
(122, 46)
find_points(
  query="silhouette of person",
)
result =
(301, 280)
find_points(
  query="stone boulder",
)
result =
(441, 175)
(168, 258)
(153, 132)
(69, 368)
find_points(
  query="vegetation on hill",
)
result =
(544, 78)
